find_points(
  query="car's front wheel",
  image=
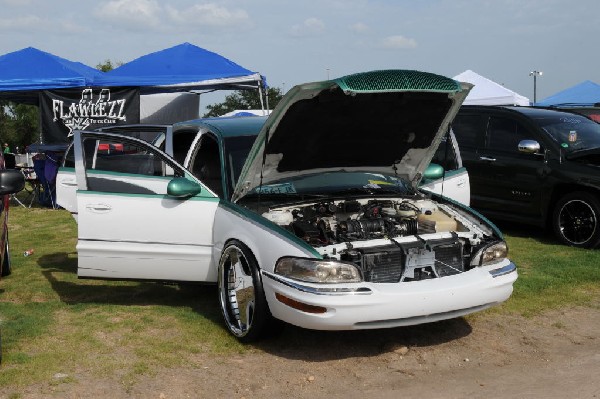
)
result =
(241, 294)
(576, 220)
(6, 266)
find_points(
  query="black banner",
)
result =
(63, 111)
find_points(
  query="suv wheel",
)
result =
(576, 220)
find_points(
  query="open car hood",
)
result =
(389, 122)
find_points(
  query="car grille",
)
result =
(388, 264)
(449, 260)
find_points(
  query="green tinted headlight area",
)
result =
(317, 270)
(490, 254)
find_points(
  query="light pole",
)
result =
(535, 74)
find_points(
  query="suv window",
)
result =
(505, 134)
(468, 129)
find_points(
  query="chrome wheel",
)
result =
(577, 222)
(237, 291)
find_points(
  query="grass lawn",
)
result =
(51, 321)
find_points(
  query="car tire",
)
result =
(576, 220)
(241, 296)
(6, 267)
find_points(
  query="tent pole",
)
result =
(260, 96)
(40, 117)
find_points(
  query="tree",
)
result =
(107, 65)
(19, 124)
(243, 99)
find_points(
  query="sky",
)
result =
(292, 42)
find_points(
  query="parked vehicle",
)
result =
(318, 223)
(534, 166)
(445, 175)
(11, 182)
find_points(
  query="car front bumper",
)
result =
(383, 305)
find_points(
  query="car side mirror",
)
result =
(180, 187)
(529, 147)
(11, 181)
(433, 172)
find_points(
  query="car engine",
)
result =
(391, 240)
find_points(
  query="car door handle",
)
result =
(69, 183)
(487, 159)
(460, 183)
(98, 208)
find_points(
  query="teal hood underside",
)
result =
(388, 122)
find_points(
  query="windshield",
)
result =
(336, 184)
(237, 149)
(572, 132)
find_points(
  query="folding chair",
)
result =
(26, 199)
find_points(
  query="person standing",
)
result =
(6, 149)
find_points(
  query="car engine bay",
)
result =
(390, 240)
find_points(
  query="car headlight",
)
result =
(318, 271)
(489, 254)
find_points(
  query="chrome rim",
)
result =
(236, 291)
(577, 222)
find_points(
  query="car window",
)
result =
(182, 142)
(113, 156)
(446, 155)
(132, 168)
(469, 130)
(572, 132)
(206, 165)
(505, 134)
(236, 152)
(69, 161)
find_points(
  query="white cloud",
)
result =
(359, 27)
(148, 15)
(310, 27)
(133, 14)
(19, 23)
(398, 42)
(33, 23)
(20, 3)
(209, 14)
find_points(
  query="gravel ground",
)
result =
(555, 355)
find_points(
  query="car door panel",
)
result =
(128, 227)
(145, 237)
(504, 178)
(66, 189)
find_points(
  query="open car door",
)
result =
(160, 136)
(142, 216)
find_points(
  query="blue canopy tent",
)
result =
(585, 94)
(183, 67)
(24, 72)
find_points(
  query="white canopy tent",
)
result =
(488, 92)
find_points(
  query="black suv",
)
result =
(535, 166)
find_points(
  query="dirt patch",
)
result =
(556, 355)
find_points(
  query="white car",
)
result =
(323, 226)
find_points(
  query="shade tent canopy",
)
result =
(179, 68)
(488, 92)
(33, 69)
(24, 72)
(584, 94)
